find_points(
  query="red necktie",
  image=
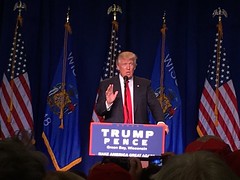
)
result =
(127, 107)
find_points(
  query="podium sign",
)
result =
(126, 140)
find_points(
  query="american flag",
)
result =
(15, 95)
(109, 69)
(218, 111)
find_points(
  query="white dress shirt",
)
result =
(130, 84)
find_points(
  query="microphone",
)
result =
(125, 79)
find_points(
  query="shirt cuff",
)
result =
(108, 107)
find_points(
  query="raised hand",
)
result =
(110, 95)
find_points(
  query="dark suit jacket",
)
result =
(144, 98)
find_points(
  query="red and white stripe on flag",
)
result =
(226, 124)
(15, 106)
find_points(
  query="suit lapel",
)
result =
(117, 87)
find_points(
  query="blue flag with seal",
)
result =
(164, 84)
(61, 122)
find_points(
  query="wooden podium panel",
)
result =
(126, 140)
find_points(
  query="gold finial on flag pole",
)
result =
(20, 7)
(68, 15)
(164, 17)
(164, 26)
(218, 12)
(67, 24)
(114, 9)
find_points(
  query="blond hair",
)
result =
(127, 55)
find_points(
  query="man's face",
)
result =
(126, 67)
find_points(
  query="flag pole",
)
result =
(109, 68)
(113, 9)
(20, 7)
(63, 94)
(163, 32)
(218, 12)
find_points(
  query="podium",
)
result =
(126, 140)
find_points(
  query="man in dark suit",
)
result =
(111, 99)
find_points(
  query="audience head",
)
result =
(62, 175)
(19, 162)
(210, 143)
(79, 173)
(123, 162)
(147, 172)
(233, 160)
(108, 171)
(199, 165)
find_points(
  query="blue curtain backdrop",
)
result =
(191, 34)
